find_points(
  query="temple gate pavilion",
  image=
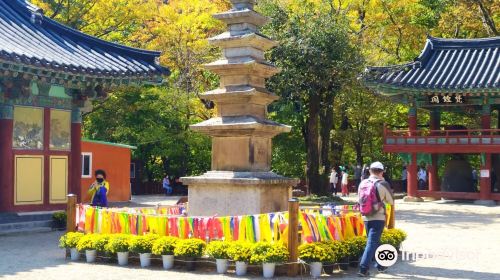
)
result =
(48, 75)
(450, 75)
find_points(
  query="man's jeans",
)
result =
(373, 231)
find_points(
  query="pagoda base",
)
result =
(412, 199)
(227, 193)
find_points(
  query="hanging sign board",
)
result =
(485, 173)
(437, 99)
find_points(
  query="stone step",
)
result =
(22, 227)
(7, 218)
(13, 223)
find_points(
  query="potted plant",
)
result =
(164, 247)
(355, 248)
(189, 249)
(101, 240)
(328, 266)
(142, 245)
(218, 251)
(340, 251)
(69, 241)
(119, 244)
(59, 220)
(268, 254)
(87, 244)
(240, 252)
(315, 254)
(393, 237)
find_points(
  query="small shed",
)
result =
(112, 158)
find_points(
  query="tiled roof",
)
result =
(30, 39)
(447, 65)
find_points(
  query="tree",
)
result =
(317, 59)
(153, 120)
(180, 30)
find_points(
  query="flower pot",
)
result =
(354, 261)
(316, 268)
(58, 225)
(75, 255)
(190, 264)
(122, 258)
(168, 261)
(241, 268)
(329, 267)
(145, 259)
(344, 264)
(90, 255)
(268, 269)
(221, 266)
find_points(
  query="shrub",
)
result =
(142, 243)
(164, 245)
(315, 252)
(265, 252)
(355, 246)
(70, 239)
(393, 237)
(339, 248)
(87, 242)
(118, 243)
(189, 248)
(59, 217)
(218, 249)
(240, 251)
(101, 241)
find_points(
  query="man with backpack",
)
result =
(373, 193)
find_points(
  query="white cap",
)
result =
(377, 165)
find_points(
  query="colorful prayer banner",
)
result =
(316, 224)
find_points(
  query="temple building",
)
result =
(459, 79)
(49, 73)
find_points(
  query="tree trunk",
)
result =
(312, 171)
(359, 154)
(338, 147)
(326, 121)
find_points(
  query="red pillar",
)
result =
(6, 165)
(412, 176)
(412, 119)
(485, 182)
(435, 124)
(76, 151)
(486, 121)
(433, 175)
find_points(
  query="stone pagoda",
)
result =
(240, 181)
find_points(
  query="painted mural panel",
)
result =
(28, 128)
(60, 130)
(28, 180)
(58, 179)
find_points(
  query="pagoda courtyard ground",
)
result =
(462, 241)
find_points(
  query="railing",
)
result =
(442, 137)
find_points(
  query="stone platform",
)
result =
(237, 193)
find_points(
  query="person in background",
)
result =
(474, 178)
(166, 185)
(375, 222)
(404, 179)
(333, 181)
(344, 182)
(366, 172)
(422, 177)
(99, 189)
